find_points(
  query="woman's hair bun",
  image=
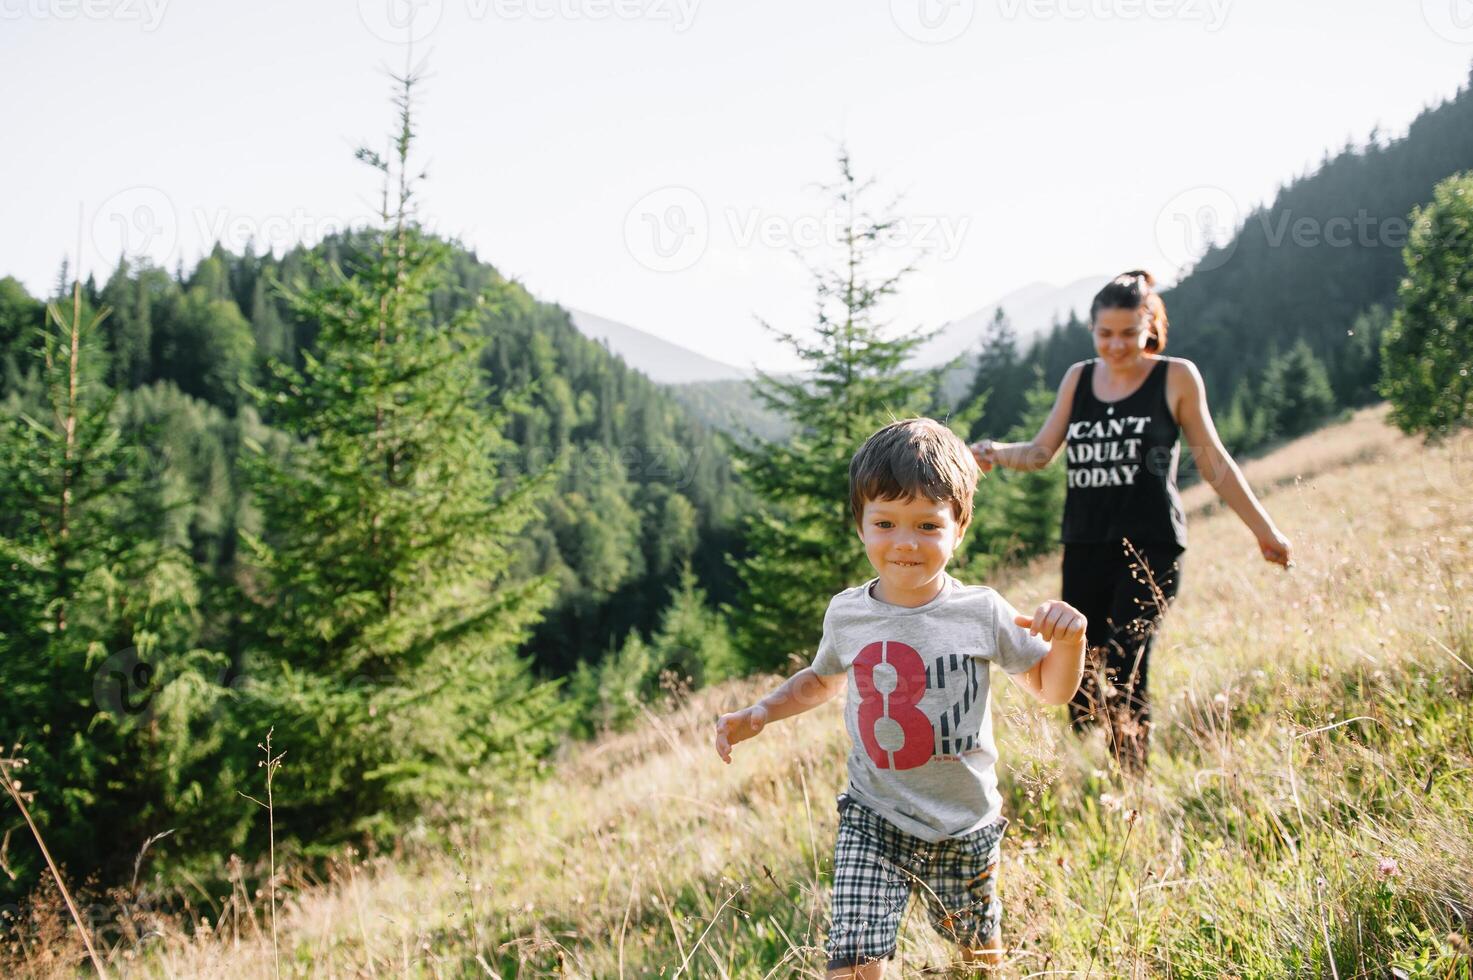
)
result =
(1132, 291)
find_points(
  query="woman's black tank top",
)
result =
(1122, 459)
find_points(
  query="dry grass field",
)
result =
(1309, 811)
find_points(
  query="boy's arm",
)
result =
(1055, 678)
(804, 690)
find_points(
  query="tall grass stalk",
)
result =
(13, 789)
(270, 763)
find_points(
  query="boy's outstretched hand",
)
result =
(1055, 620)
(738, 726)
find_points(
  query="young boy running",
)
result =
(913, 647)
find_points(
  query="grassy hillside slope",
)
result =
(1311, 796)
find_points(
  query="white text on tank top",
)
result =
(1112, 455)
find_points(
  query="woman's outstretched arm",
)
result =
(1218, 468)
(1039, 452)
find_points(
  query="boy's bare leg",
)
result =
(870, 971)
(988, 956)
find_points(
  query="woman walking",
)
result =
(1124, 531)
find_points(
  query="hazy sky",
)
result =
(654, 160)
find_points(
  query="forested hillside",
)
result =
(645, 487)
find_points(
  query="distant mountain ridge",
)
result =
(656, 358)
(719, 394)
(1032, 309)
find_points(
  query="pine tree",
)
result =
(389, 615)
(1295, 394)
(273, 339)
(693, 641)
(1018, 513)
(104, 691)
(691, 648)
(20, 317)
(1237, 426)
(998, 378)
(1359, 366)
(130, 328)
(1428, 350)
(802, 540)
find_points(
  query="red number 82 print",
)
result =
(910, 685)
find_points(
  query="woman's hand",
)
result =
(1275, 548)
(985, 455)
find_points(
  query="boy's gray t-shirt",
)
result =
(917, 709)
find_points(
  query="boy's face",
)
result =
(909, 542)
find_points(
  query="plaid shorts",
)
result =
(876, 866)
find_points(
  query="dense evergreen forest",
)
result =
(645, 487)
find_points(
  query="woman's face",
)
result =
(1120, 335)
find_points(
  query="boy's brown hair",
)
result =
(914, 457)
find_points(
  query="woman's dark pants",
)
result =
(1124, 594)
